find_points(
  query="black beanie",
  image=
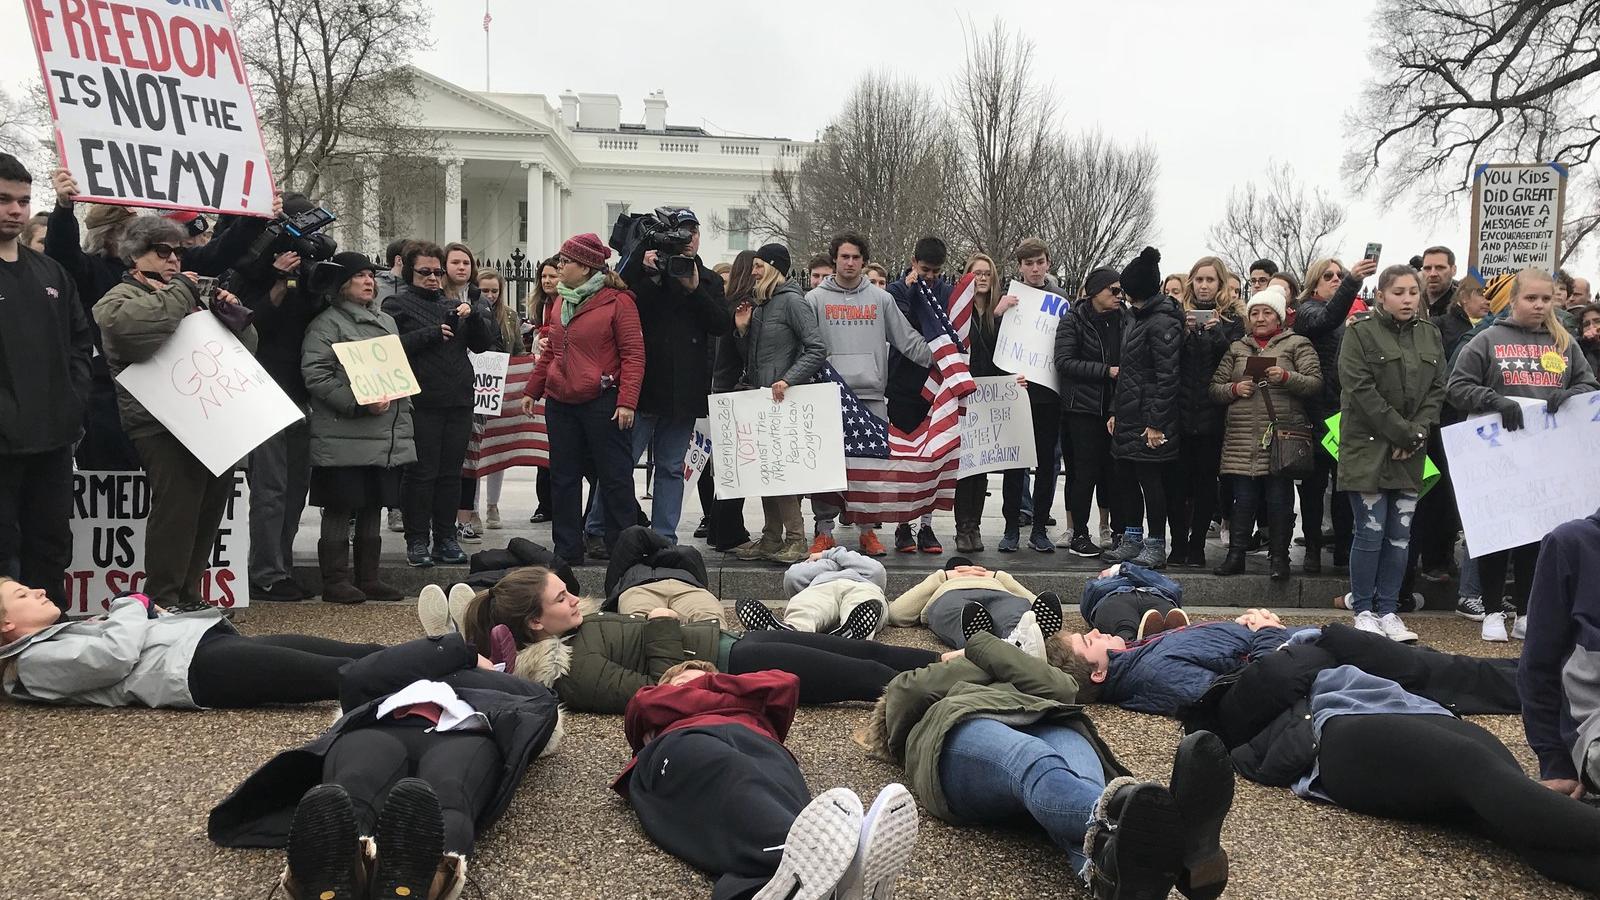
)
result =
(954, 561)
(331, 275)
(776, 256)
(1141, 280)
(1099, 280)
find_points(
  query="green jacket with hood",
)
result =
(1391, 377)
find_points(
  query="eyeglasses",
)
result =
(1332, 275)
(436, 273)
(1115, 291)
(562, 260)
(165, 251)
(1260, 279)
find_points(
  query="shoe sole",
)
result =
(1085, 554)
(888, 836)
(433, 611)
(1049, 616)
(862, 623)
(460, 598)
(755, 616)
(821, 843)
(1202, 788)
(410, 841)
(1149, 860)
(422, 564)
(322, 844)
(981, 621)
(1472, 617)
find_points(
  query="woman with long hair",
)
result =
(541, 300)
(507, 331)
(723, 525)
(985, 325)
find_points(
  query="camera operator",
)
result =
(681, 308)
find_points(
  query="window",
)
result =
(738, 229)
(463, 220)
(615, 211)
(522, 221)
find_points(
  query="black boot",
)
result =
(1239, 542)
(1233, 564)
(1202, 788)
(1135, 842)
(1197, 551)
(1313, 561)
(1282, 531)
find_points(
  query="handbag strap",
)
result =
(1266, 394)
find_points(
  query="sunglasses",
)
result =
(436, 273)
(1332, 275)
(1115, 291)
(165, 251)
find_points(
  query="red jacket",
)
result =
(603, 338)
(763, 702)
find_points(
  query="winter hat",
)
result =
(1099, 280)
(1141, 280)
(349, 263)
(192, 221)
(586, 250)
(107, 214)
(776, 256)
(954, 561)
(1271, 296)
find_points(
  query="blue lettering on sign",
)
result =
(1490, 433)
(1054, 305)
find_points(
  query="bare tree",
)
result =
(1097, 206)
(25, 123)
(1277, 221)
(1457, 83)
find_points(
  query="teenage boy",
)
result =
(859, 323)
(1261, 272)
(820, 267)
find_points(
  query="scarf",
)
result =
(572, 298)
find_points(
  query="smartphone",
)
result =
(1202, 316)
(1373, 251)
(453, 319)
(208, 288)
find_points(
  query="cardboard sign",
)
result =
(997, 427)
(1512, 487)
(699, 452)
(488, 382)
(768, 449)
(1026, 342)
(151, 103)
(1330, 443)
(378, 369)
(1516, 218)
(109, 512)
(210, 392)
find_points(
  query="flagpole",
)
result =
(487, 69)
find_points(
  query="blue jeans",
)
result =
(1378, 548)
(671, 440)
(992, 772)
(580, 434)
(1471, 584)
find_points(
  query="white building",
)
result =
(524, 175)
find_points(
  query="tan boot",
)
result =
(792, 551)
(450, 879)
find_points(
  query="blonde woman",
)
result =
(507, 331)
(981, 336)
(1175, 285)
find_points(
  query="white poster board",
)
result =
(1516, 218)
(699, 452)
(768, 449)
(109, 511)
(997, 427)
(378, 369)
(488, 382)
(152, 105)
(1026, 343)
(1512, 487)
(210, 392)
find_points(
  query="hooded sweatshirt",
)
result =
(857, 326)
(1511, 360)
(1559, 674)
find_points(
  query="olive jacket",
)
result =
(1391, 379)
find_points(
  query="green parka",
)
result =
(1247, 422)
(343, 432)
(1392, 377)
(599, 667)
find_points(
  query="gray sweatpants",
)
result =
(944, 614)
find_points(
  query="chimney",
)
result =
(655, 112)
(602, 112)
(569, 108)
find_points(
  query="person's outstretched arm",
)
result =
(906, 609)
(381, 674)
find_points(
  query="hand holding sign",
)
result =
(1026, 343)
(378, 369)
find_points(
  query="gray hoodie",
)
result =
(121, 659)
(836, 564)
(1509, 360)
(856, 324)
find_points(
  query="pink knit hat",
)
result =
(586, 250)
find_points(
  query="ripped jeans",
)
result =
(1379, 546)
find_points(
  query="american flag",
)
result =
(486, 20)
(513, 439)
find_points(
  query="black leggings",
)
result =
(336, 523)
(1090, 446)
(231, 671)
(1146, 485)
(1443, 770)
(1199, 461)
(1492, 576)
(830, 668)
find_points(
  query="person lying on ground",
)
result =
(649, 572)
(596, 661)
(1132, 602)
(138, 654)
(1559, 674)
(391, 798)
(836, 591)
(713, 785)
(996, 735)
(940, 601)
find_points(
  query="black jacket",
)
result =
(443, 371)
(45, 345)
(1323, 324)
(1453, 326)
(642, 556)
(281, 329)
(678, 325)
(1147, 387)
(1203, 349)
(1088, 345)
(980, 346)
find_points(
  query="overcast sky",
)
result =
(1221, 87)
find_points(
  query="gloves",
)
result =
(1510, 413)
(1558, 398)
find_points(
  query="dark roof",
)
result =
(679, 130)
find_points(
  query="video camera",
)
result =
(299, 231)
(667, 231)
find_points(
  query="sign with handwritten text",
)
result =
(997, 427)
(1026, 343)
(1512, 487)
(377, 368)
(699, 452)
(207, 389)
(488, 381)
(768, 449)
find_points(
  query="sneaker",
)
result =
(397, 522)
(1369, 622)
(1150, 624)
(325, 854)
(460, 598)
(1470, 608)
(754, 616)
(1344, 601)
(1065, 541)
(410, 840)
(285, 591)
(1040, 541)
(491, 517)
(1202, 788)
(594, 546)
(821, 844)
(1027, 636)
(904, 541)
(862, 623)
(704, 528)
(503, 649)
(1153, 555)
(927, 542)
(1135, 842)
(433, 611)
(1126, 550)
(539, 517)
(447, 552)
(760, 548)
(1396, 630)
(417, 555)
(871, 546)
(466, 534)
(1008, 541)
(1176, 618)
(1494, 628)
(1214, 532)
(1080, 545)
(1519, 630)
(823, 542)
(975, 618)
(1025, 520)
(888, 835)
(1105, 535)
(792, 551)
(1417, 602)
(1047, 609)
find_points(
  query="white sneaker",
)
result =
(460, 596)
(820, 847)
(433, 611)
(1494, 627)
(1343, 602)
(1027, 636)
(1368, 621)
(1396, 630)
(1519, 631)
(888, 835)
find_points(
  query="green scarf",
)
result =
(572, 298)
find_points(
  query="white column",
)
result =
(538, 245)
(369, 236)
(566, 211)
(452, 199)
(552, 225)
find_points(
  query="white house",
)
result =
(523, 175)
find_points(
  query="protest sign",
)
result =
(378, 369)
(768, 449)
(1330, 443)
(488, 381)
(1512, 487)
(109, 515)
(513, 438)
(1516, 218)
(699, 452)
(207, 389)
(997, 427)
(1026, 343)
(151, 104)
